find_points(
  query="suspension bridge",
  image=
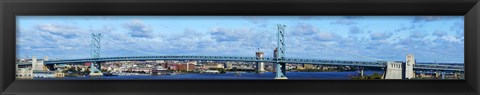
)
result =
(394, 69)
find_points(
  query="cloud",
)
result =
(303, 40)
(458, 27)
(229, 35)
(138, 29)
(415, 42)
(439, 33)
(418, 34)
(344, 22)
(353, 17)
(54, 36)
(431, 18)
(60, 30)
(310, 17)
(380, 35)
(349, 42)
(52, 40)
(255, 19)
(303, 29)
(189, 40)
(411, 27)
(377, 44)
(450, 39)
(355, 30)
(426, 18)
(105, 29)
(258, 20)
(306, 17)
(448, 45)
(326, 36)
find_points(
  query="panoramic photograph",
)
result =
(240, 47)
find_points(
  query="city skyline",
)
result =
(430, 38)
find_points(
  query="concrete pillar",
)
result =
(409, 63)
(281, 71)
(361, 72)
(260, 65)
(34, 62)
(394, 70)
(16, 70)
(187, 67)
(443, 75)
(94, 71)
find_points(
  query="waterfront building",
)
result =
(308, 66)
(183, 67)
(59, 75)
(24, 73)
(212, 65)
(44, 74)
(192, 62)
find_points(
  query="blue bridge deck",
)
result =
(447, 67)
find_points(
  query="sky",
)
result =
(360, 38)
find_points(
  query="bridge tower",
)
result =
(95, 66)
(409, 63)
(96, 45)
(280, 53)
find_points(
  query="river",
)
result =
(228, 76)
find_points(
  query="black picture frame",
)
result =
(11, 8)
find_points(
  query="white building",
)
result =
(409, 63)
(208, 66)
(24, 73)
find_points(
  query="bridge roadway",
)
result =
(255, 59)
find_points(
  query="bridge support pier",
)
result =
(260, 65)
(98, 66)
(94, 71)
(281, 71)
